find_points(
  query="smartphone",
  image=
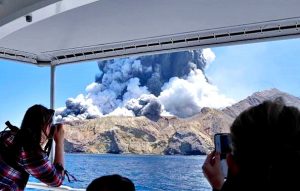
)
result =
(223, 146)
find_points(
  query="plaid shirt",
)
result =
(29, 163)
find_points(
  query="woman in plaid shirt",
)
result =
(21, 152)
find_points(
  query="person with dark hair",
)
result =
(111, 183)
(265, 151)
(22, 154)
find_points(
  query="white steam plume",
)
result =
(208, 55)
(186, 97)
(168, 84)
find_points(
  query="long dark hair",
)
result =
(34, 122)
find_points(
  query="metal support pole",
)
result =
(52, 104)
(52, 87)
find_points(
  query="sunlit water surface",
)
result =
(148, 172)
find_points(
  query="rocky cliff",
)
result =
(259, 97)
(167, 135)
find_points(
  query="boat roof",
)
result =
(55, 32)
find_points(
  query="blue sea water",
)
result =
(148, 172)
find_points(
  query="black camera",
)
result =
(48, 145)
(52, 130)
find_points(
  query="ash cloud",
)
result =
(165, 84)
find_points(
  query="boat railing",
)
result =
(42, 186)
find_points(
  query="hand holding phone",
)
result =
(223, 146)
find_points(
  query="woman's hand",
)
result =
(59, 133)
(212, 170)
(59, 146)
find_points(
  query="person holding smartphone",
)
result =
(22, 154)
(265, 151)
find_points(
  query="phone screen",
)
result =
(223, 146)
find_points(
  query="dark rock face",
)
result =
(185, 143)
(73, 147)
(112, 145)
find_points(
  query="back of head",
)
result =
(111, 183)
(266, 144)
(35, 118)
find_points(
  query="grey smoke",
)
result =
(172, 83)
(146, 105)
(152, 71)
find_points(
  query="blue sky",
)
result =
(240, 70)
(237, 71)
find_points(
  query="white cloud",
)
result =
(134, 90)
(93, 88)
(121, 112)
(208, 55)
(186, 97)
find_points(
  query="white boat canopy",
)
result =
(54, 32)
